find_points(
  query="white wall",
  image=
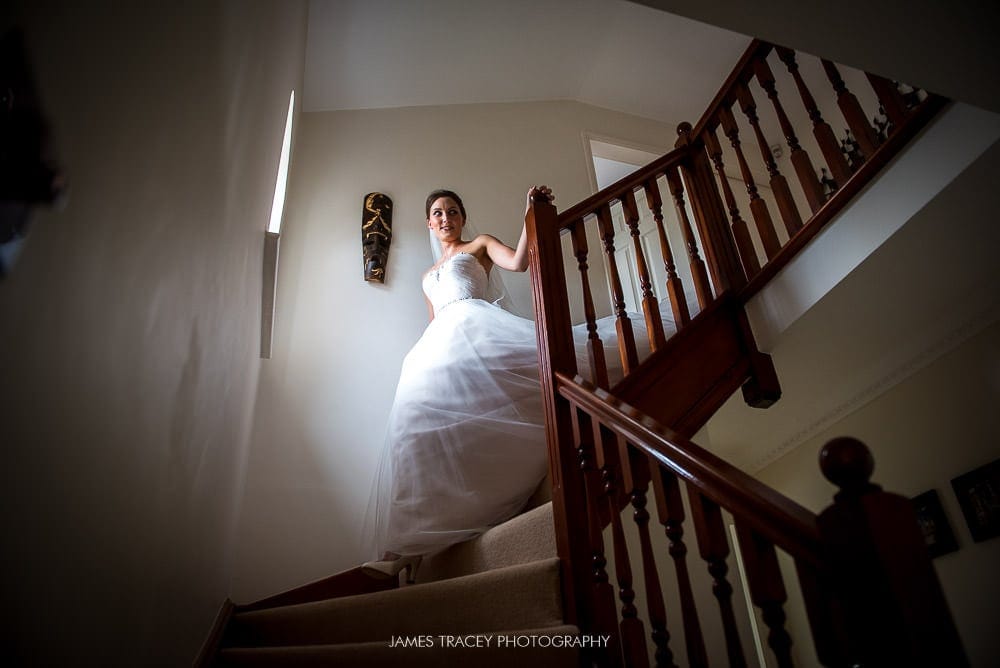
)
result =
(338, 341)
(129, 327)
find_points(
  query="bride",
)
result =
(465, 442)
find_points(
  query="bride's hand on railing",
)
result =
(538, 192)
(520, 258)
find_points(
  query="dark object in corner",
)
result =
(28, 173)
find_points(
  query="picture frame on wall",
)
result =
(934, 524)
(978, 493)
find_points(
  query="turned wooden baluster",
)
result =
(801, 161)
(821, 130)
(722, 257)
(703, 289)
(827, 632)
(758, 207)
(714, 549)
(670, 510)
(891, 100)
(748, 256)
(626, 339)
(779, 185)
(633, 635)
(635, 475)
(862, 130)
(650, 306)
(604, 615)
(767, 589)
(675, 289)
(595, 347)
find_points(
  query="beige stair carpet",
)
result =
(525, 538)
(524, 596)
(545, 647)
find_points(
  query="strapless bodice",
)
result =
(459, 277)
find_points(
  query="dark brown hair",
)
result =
(438, 194)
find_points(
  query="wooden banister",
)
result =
(625, 433)
(613, 193)
(702, 173)
(786, 523)
(870, 590)
(741, 73)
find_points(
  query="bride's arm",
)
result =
(506, 257)
(515, 259)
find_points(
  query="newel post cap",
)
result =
(683, 134)
(848, 464)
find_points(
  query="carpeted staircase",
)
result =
(492, 601)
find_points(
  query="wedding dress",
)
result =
(465, 442)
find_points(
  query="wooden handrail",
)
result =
(787, 524)
(616, 190)
(743, 70)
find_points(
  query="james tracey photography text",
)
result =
(499, 640)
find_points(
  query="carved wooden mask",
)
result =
(376, 235)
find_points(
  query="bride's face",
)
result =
(446, 219)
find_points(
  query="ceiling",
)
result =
(370, 54)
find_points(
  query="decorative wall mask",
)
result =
(376, 235)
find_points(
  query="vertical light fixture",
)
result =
(272, 237)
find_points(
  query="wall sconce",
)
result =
(376, 235)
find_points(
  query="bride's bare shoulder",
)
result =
(481, 243)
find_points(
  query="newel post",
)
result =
(556, 354)
(710, 215)
(889, 604)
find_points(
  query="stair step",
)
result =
(523, 539)
(542, 647)
(514, 597)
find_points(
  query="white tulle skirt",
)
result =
(465, 441)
